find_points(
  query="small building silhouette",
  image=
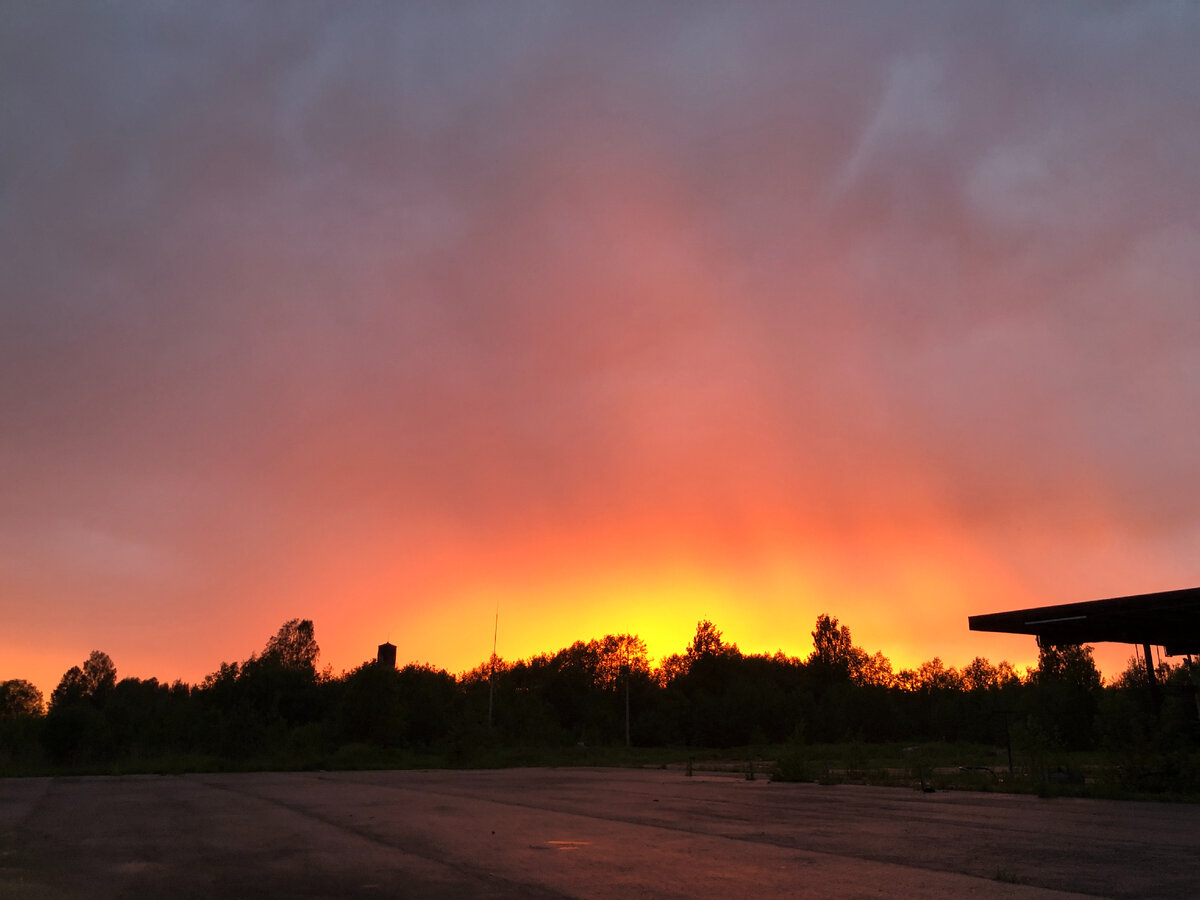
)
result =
(387, 655)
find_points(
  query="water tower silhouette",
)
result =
(387, 655)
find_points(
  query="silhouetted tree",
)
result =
(71, 688)
(874, 671)
(575, 689)
(934, 675)
(1151, 736)
(228, 722)
(370, 708)
(19, 698)
(619, 656)
(76, 729)
(1070, 664)
(706, 642)
(1066, 691)
(245, 708)
(221, 683)
(1134, 674)
(281, 684)
(834, 655)
(985, 700)
(429, 701)
(21, 722)
(93, 682)
(294, 647)
(703, 692)
(146, 717)
(275, 706)
(978, 675)
(670, 668)
(416, 706)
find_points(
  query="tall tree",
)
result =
(93, 682)
(875, 671)
(978, 675)
(19, 698)
(707, 641)
(934, 675)
(294, 646)
(618, 656)
(1066, 694)
(834, 653)
(1068, 664)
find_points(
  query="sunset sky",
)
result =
(608, 317)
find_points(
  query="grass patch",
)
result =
(934, 765)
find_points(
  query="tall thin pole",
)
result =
(628, 672)
(627, 741)
(492, 671)
(1151, 679)
(1192, 674)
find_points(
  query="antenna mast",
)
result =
(492, 670)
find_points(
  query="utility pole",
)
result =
(492, 670)
(628, 671)
(1151, 679)
(627, 741)
(1194, 676)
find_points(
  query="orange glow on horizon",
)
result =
(766, 605)
(609, 321)
(762, 576)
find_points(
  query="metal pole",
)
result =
(1192, 675)
(1008, 741)
(1150, 675)
(627, 741)
(492, 670)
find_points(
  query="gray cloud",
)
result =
(529, 266)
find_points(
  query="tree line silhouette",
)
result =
(277, 705)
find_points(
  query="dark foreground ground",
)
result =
(572, 833)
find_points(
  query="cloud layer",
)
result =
(396, 312)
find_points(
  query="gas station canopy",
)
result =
(1168, 619)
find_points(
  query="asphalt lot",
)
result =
(572, 833)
